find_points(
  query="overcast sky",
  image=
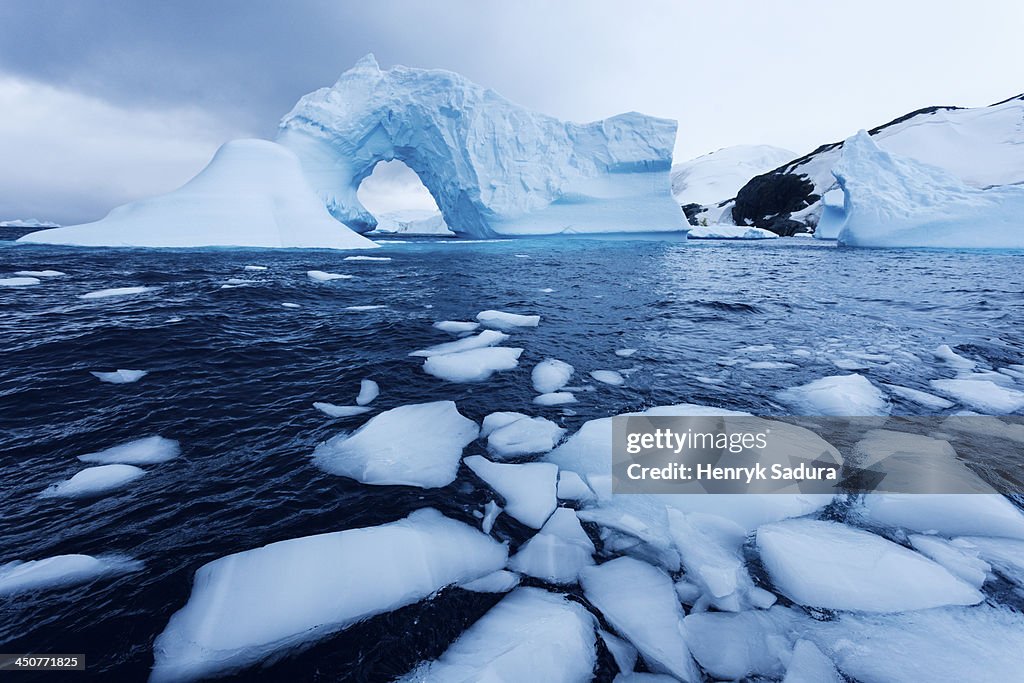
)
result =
(104, 101)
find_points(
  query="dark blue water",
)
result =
(234, 380)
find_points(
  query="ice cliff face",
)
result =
(493, 167)
(251, 194)
(895, 201)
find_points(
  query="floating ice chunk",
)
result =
(810, 665)
(415, 445)
(371, 307)
(367, 258)
(506, 321)
(550, 375)
(39, 273)
(151, 450)
(525, 436)
(558, 552)
(738, 646)
(501, 581)
(475, 365)
(321, 276)
(120, 376)
(339, 411)
(640, 603)
(288, 304)
(555, 399)
(729, 232)
(625, 353)
(960, 560)
(546, 290)
(250, 605)
(531, 635)
(837, 395)
(951, 357)
(950, 644)
(770, 365)
(456, 326)
(94, 481)
(529, 489)
(498, 420)
(254, 268)
(709, 547)
(830, 565)
(482, 340)
(60, 570)
(491, 512)
(1004, 554)
(608, 377)
(624, 654)
(368, 390)
(988, 426)
(983, 395)
(18, 281)
(116, 291)
(922, 398)
(572, 487)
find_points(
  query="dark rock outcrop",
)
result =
(768, 200)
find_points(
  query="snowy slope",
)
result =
(894, 201)
(251, 194)
(715, 177)
(492, 166)
(982, 146)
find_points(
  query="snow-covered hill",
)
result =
(982, 146)
(718, 176)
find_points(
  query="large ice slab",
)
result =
(60, 570)
(250, 605)
(558, 552)
(531, 635)
(416, 445)
(492, 166)
(251, 194)
(895, 201)
(640, 603)
(831, 565)
(529, 489)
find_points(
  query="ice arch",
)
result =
(492, 167)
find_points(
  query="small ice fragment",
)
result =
(475, 365)
(456, 326)
(120, 376)
(254, 268)
(367, 258)
(116, 291)
(60, 570)
(555, 399)
(365, 308)
(368, 390)
(491, 512)
(572, 487)
(39, 273)
(288, 304)
(507, 321)
(94, 481)
(951, 357)
(339, 411)
(608, 377)
(558, 552)
(18, 281)
(625, 353)
(550, 375)
(501, 581)
(150, 450)
(922, 398)
(322, 276)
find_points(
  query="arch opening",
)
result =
(397, 198)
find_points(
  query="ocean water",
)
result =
(233, 375)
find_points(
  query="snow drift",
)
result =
(493, 167)
(251, 194)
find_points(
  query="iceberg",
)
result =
(493, 167)
(529, 490)
(248, 606)
(150, 450)
(640, 603)
(834, 566)
(474, 365)
(60, 570)
(413, 445)
(895, 201)
(251, 194)
(558, 552)
(120, 376)
(531, 635)
(94, 481)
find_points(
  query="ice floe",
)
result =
(322, 276)
(625, 353)
(608, 377)
(922, 398)
(501, 581)
(531, 635)
(810, 665)
(1005, 555)
(831, 565)
(94, 481)
(307, 588)
(368, 307)
(415, 445)
(572, 487)
(18, 281)
(475, 365)
(368, 391)
(150, 450)
(116, 291)
(950, 357)
(640, 603)
(456, 326)
(525, 436)
(739, 646)
(367, 258)
(254, 268)
(39, 273)
(959, 558)
(529, 490)
(501, 320)
(556, 398)
(550, 375)
(837, 395)
(339, 411)
(120, 376)
(983, 395)
(479, 341)
(60, 570)
(558, 552)
(288, 304)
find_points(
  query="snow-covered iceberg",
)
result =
(493, 167)
(251, 194)
(894, 201)
(250, 605)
